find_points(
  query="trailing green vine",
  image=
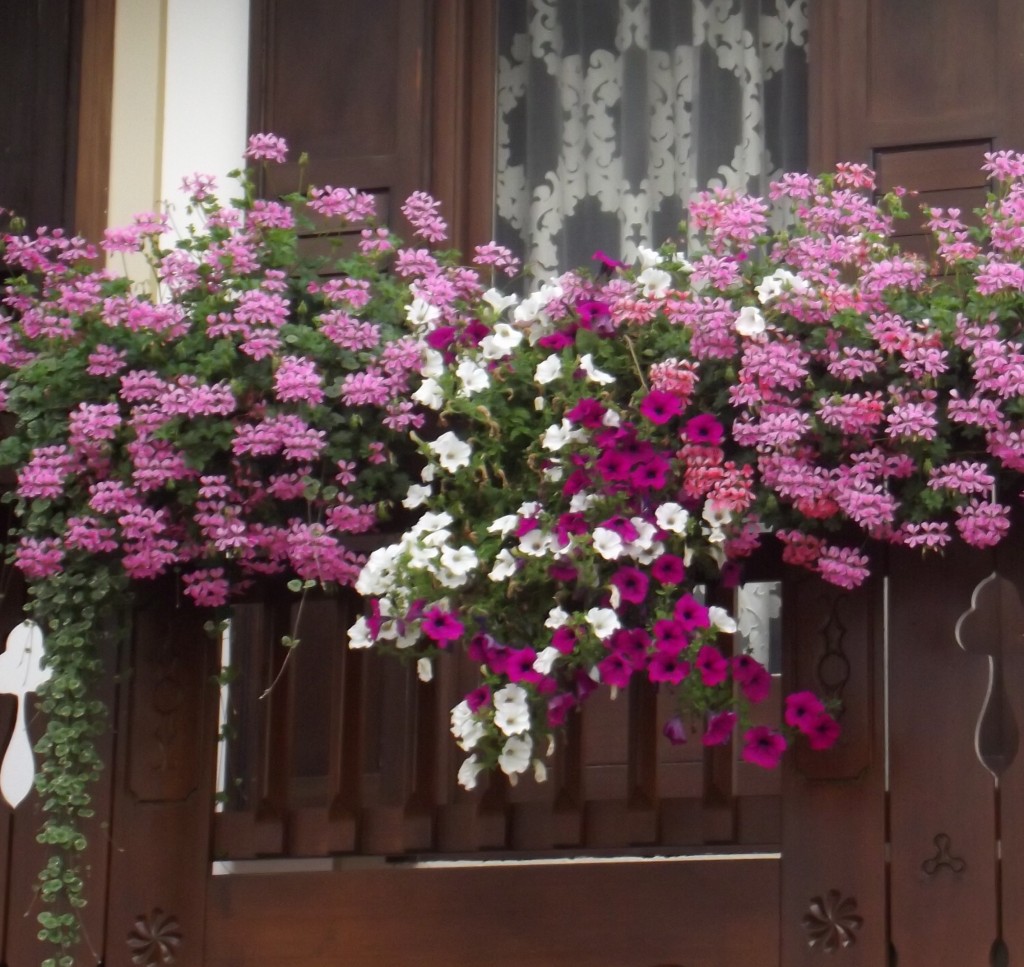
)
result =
(72, 607)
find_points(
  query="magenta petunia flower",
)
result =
(519, 666)
(632, 584)
(564, 639)
(442, 626)
(675, 730)
(478, 698)
(587, 412)
(615, 670)
(668, 569)
(712, 665)
(607, 261)
(659, 407)
(691, 614)
(664, 667)
(823, 732)
(704, 429)
(757, 686)
(802, 710)
(670, 636)
(762, 747)
(719, 728)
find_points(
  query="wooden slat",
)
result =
(833, 827)
(637, 914)
(1010, 563)
(163, 780)
(941, 917)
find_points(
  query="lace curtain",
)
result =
(611, 112)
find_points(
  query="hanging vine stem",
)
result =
(71, 606)
(291, 642)
(636, 362)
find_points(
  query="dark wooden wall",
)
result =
(56, 75)
(896, 847)
(390, 101)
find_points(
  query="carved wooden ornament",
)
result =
(21, 673)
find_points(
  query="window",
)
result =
(612, 112)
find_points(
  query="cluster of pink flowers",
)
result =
(626, 439)
(246, 422)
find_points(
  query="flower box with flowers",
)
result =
(589, 456)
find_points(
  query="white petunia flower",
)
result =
(535, 543)
(556, 618)
(424, 670)
(511, 711)
(543, 662)
(378, 573)
(429, 394)
(421, 313)
(504, 566)
(359, 634)
(772, 286)
(459, 560)
(498, 302)
(417, 495)
(436, 538)
(503, 525)
(466, 727)
(604, 621)
(452, 453)
(672, 517)
(608, 543)
(422, 557)
(499, 343)
(647, 258)
(515, 755)
(655, 282)
(433, 364)
(717, 515)
(594, 374)
(468, 772)
(547, 370)
(559, 435)
(432, 521)
(722, 620)
(474, 377)
(750, 322)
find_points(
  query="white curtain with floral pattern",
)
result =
(612, 112)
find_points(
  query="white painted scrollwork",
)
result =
(21, 674)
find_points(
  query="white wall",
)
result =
(179, 104)
(205, 88)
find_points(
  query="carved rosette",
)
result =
(832, 922)
(155, 939)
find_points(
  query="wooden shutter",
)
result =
(388, 99)
(920, 89)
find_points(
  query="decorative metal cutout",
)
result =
(832, 922)
(155, 939)
(833, 669)
(21, 673)
(943, 858)
(994, 622)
